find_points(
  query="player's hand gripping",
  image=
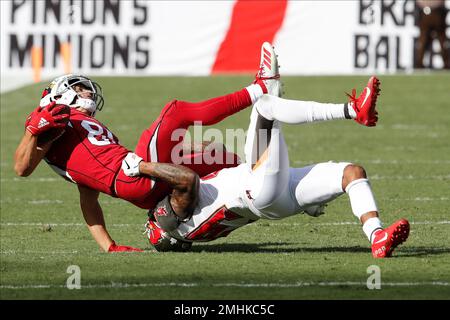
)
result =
(46, 118)
(117, 248)
(130, 165)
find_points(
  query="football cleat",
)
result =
(162, 241)
(364, 105)
(268, 76)
(386, 240)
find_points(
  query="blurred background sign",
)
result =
(41, 39)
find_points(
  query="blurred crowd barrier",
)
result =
(41, 39)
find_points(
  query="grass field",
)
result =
(407, 157)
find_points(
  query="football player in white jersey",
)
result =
(265, 187)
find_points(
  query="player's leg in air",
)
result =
(156, 142)
(277, 191)
(159, 142)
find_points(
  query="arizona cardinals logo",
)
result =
(161, 211)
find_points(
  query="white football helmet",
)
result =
(62, 91)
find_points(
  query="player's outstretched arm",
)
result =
(93, 215)
(28, 154)
(184, 181)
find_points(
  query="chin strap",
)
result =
(87, 104)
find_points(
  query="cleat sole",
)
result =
(399, 236)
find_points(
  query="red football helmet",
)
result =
(162, 241)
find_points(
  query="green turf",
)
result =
(407, 156)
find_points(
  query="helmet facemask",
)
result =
(62, 90)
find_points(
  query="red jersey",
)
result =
(87, 153)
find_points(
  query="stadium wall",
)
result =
(42, 39)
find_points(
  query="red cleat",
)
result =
(386, 240)
(364, 105)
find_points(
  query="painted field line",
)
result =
(379, 161)
(118, 203)
(14, 252)
(235, 285)
(264, 222)
(336, 224)
(45, 179)
(371, 177)
(407, 126)
(41, 224)
(62, 252)
(409, 177)
(416, 199)
(45, 201)
(344, 223)
(33, 202)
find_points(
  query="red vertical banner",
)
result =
(252, 23)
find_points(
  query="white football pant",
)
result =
(275, 189)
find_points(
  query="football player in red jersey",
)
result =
(84, 151)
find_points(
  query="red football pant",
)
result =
(156, 144)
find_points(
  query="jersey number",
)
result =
(96, 133)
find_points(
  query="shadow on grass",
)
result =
(287, 247)
(270, 247)
(420, 251)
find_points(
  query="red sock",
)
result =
(214, 110)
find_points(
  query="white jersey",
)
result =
(226, 199)
(220, 209)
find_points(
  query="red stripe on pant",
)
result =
(252, 23)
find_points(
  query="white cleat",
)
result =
(268, 73)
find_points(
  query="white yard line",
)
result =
(409, 177)
(380, 161)
(231, 284)
(264, 223)
(14, 252)
(416, 199)
(36, 224)
(371, 177)
(349, 223)
(118, 202)
(44, 179)
(45, 201)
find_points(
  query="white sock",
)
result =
(298, 112)
(351, 111)
(370, 226)
(361, 197)
(255, 91)
(362, 201)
